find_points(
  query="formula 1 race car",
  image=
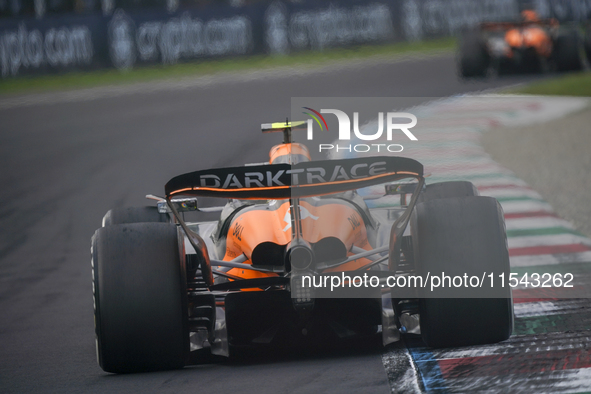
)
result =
(166, 287)
(529, 45)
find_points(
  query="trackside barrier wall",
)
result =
(125, 40)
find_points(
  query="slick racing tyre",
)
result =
(134, 215)
(437, 191)
(447, 190)
(567, 52)
(140, 299)
(474, 59)
(455, 236)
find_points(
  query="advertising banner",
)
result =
(125, 39)
(37, 46)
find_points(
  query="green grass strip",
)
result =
(76, 80)
(575, 84)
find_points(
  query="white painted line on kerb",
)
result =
(536, 222)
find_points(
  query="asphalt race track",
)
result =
(64, 164)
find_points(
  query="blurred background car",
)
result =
(529, 45)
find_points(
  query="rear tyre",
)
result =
(436, 191)
(457, 236)
(447, 190)
(474, 58)
(140, 299)
(134, 215)
(567, 52)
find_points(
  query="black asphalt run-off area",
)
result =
(64, 165)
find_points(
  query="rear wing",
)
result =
(284, 181)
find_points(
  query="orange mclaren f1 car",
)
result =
(528, 45)
(288, 257)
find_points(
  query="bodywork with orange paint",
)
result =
(530, 37)
(289, 153)
(262, 231)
